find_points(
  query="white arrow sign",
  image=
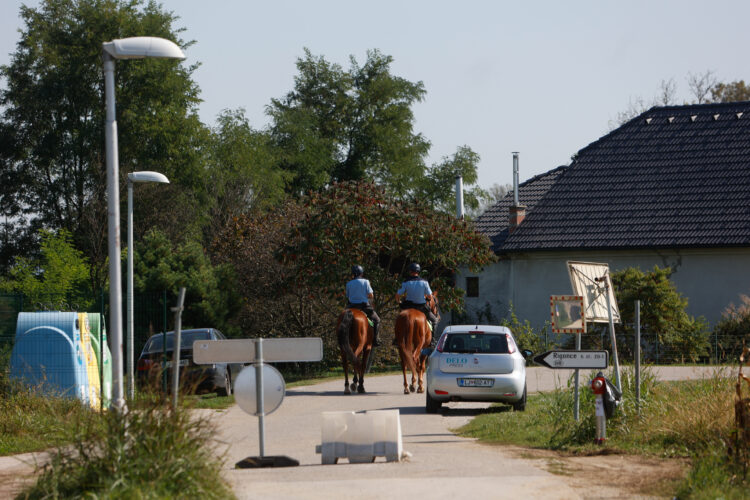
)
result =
(573, 359)
(206, 352)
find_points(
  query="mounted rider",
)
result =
(359, 295)
(414, 291)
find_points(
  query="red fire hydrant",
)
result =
(599, 386)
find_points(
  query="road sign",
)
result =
(206, 352)
(246, 392)
(573, 359)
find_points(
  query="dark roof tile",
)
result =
(649, 183)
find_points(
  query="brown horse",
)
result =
(412, 335)
(354, 335)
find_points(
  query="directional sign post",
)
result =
(258, 351)
(575, 360)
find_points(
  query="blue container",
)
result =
(48, 354)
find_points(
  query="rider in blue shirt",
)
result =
(359, 295)
(413, 290)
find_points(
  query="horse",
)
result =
(355, 336)
(412, 335)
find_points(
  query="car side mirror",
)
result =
(426, 351)
(527, 353)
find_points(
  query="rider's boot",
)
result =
(375, 341)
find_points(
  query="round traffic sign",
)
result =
(246, 393)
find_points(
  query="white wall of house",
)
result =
(710, 279)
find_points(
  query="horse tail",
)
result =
(343, 335)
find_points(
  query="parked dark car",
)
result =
(217, 377)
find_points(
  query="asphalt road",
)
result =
(440, 466)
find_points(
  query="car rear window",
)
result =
(155, 343)
(486, 343)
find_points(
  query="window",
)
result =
(472, 286)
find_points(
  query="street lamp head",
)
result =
(147, 176)
(139, 47)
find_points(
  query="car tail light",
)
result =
(437, 391)
(511, 344)
(441, 343)
(144, 365)
(509, 394)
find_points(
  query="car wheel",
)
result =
(520, 405)
(432, 405)
(227, 389)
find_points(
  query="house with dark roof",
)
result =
(670, 187)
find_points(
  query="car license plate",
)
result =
(475, 382)
(183, 362)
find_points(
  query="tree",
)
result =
(437, 187)
(241, 170)
(52, 123)
(359, 223)
(210, 296)
(339, 125)
(662, 311)
(730, 92)
(58, 276)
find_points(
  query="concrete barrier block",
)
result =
(361, 437)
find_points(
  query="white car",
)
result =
(476, 363)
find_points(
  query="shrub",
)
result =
(150, 452)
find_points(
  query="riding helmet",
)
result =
(357, 271)
(414, 268)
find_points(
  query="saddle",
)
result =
(403, 307)
(369, 321)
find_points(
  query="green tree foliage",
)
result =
(437, 187)
(359, 223)
(730, 92)
(662, 311)
(52, 122)
(242, 170)
(339, 125)
(58, 277)
(210, 296)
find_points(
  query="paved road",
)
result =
(441, 466)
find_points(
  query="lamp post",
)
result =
(126, 48)
(133, 177)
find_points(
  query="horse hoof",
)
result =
(353, 387)
(412, 388)
(361, 389)
(406, 391)
(420, 390)
(347, 391)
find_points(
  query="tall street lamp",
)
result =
(127, 48)
(133, 177)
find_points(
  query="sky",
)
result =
(544, 78)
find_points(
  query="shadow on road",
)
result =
(293, 392)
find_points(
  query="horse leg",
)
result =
(355, 380)
(403, 368)
(345, 362)
(421, 361)
(363, 369)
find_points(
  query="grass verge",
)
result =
(689, 419)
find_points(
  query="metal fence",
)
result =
(709, 348)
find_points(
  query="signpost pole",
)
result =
(612, 338)
(177, 345)
(259, 395)
(577, 401)
(638, 356)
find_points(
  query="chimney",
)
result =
(517, 212)
(459, 197)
